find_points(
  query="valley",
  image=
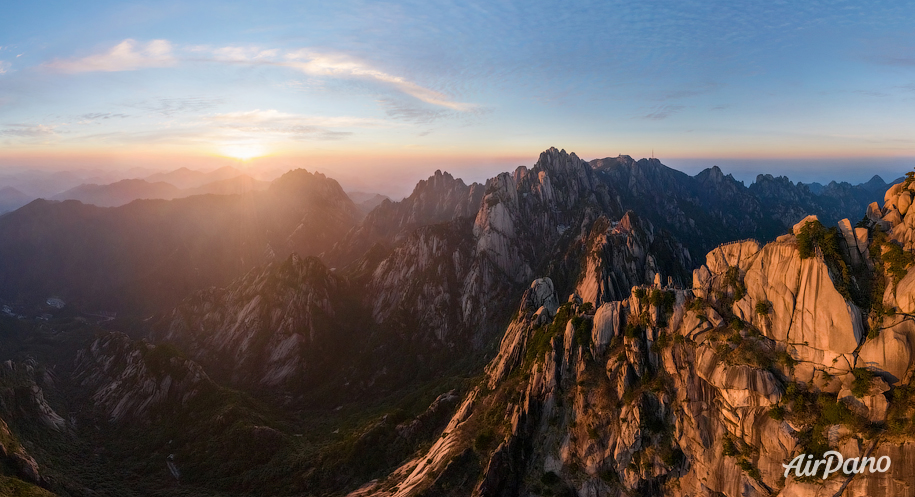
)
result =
(612, 327)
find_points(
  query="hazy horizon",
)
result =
(386, 93)
(399, 179)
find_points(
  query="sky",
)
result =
(378, 94)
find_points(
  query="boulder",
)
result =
(905, 293)
(542, 293)
(737, 254)
(606, 325)
(892, 218)
(803, 222)
(861, 239)
(904, 202)
(892, 192)
(850, 241)
(873, 212)
(822, 318)
(739, 385)
(889, 353)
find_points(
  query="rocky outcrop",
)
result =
(439, 199)
(523, 218)
(138, 382)
(14, 455)
(658, 394)
(266, 329)
(21, 393)
(627, 253)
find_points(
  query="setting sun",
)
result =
(243, 151)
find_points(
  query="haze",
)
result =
(380, 94)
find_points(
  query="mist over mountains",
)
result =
(612, 327)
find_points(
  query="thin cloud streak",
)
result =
(336, 65)
(125, 56)
(130, 55)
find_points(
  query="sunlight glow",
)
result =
(243, 151)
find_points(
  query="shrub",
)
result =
(728, 447)
(698, 305)
(777, 413)
(733, 279)
(763, 307)
(483, 440)
(861, 386)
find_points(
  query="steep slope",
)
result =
(278, 328)
(151, 253)
(441, 198)
(701, 211)
(466, 271)
(702, 391)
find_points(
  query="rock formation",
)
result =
(701, 391)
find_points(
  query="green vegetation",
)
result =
(541, 338)
(899, 416)
(733, 279)
(763, 307)
(663, 299)
(814, 413)
(582, 327)
(890, 256)
(861, 385)
(698, 304)
(814, 235)
(777, 413)
(12, 487)
(633, 330)
(728, 447)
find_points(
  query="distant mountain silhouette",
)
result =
(150, 253)
(128, 190)
(12, 199)
(187, 178)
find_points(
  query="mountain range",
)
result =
(612, 327)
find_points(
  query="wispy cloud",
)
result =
(409, 111)
(28, 130)
(170, 107)
(130, 55)
(663, 112)
(294, 126)
(4, 66)
(94, 117)
(125, 56)
(339, 65)
(260, 117)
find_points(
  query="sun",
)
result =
(243, 151)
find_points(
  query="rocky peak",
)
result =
(440, 198)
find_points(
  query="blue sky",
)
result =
(817, 90)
